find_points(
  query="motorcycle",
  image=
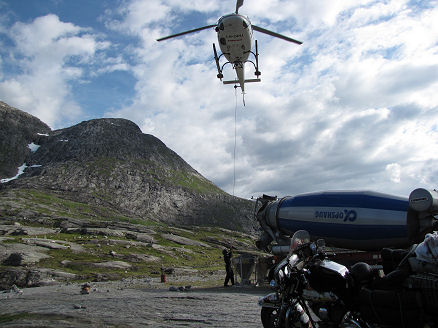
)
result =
(293, 304)
(314, 291)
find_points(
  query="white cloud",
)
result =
(394, 171)
(339, 116)
(137, 14)
(49, 54)
(354, 107)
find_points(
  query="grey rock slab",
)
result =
(113, 265)
(126, 243)
(184, 241)
(144, 257)
(19, 230)
(54, 244)
(140, 236)
(163, 249)
(30, 253)
(105, 232)
(47, 243)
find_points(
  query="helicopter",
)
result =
(234, 33)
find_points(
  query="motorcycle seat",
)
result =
(362, 273)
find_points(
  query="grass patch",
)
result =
(102, 166)
(9, 317)
(194, 183)
(50, 204)
(97, 249)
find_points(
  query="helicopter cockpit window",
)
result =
(245, 25)
(221, 26)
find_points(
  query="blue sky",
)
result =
(354, 107)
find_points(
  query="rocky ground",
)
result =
(131, 303)
(101, 202)
(43, 269)
(32, 256)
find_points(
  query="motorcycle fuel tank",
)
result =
(326, 276)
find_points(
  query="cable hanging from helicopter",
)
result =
(234, 33)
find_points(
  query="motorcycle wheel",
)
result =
(351, 321)
(269, 317)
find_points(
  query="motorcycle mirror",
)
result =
(320, 243)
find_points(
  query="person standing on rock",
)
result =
(228, 254)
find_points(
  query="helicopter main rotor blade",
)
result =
(186, 32)
(277, 35)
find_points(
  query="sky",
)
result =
(355, 107)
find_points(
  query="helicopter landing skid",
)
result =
(220, 68)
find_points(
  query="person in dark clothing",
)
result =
(228, 254)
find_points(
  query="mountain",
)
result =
(111, 169)
(17, 130)
(103, 201)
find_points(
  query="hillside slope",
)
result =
(101, 200)
(111, 164)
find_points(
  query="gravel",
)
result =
(133, 303)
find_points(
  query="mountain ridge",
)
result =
(109, 162)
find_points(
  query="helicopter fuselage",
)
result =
(234, 34)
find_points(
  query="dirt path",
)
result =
(119, 304)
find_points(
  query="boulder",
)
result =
(29, 254)
(35, 277)
(14, 259)
(12, 276)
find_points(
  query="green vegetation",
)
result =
(166, 253)
(102, 166)
(50, 204)
(193, 183)
(176, 176)
(6, 317)
(50, 208)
